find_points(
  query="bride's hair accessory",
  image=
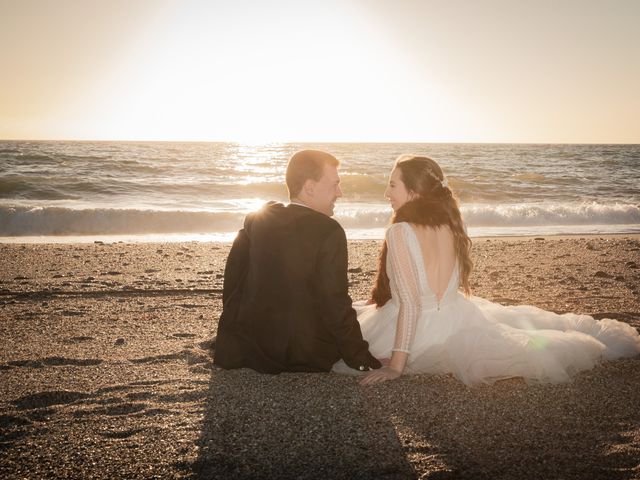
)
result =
(444, 183)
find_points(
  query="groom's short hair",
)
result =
(306, 165)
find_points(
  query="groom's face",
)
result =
(325, 191)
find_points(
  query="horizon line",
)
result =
(271, 142)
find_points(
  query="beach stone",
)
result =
(120, 341)
(601, 274)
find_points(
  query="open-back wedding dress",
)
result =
(475, 339)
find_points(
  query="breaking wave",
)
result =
(25, 221)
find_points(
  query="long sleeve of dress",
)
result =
(403, 271)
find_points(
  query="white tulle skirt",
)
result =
(480, 342)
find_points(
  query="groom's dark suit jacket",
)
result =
(286, 301)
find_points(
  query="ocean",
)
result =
(165, 191)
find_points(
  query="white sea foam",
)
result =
(65, 221)
(527, 214)
(21, 221)
(514, 215)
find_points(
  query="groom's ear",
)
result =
(309, 186)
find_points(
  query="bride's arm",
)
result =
(389, 372)
(403, 271)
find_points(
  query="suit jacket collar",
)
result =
(299, 204)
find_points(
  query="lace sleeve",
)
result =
(403, 271)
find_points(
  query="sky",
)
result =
(259, 71)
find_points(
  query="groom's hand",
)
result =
(381, 375)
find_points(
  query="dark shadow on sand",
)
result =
(303, 426)
(510, 430)
(327, 426)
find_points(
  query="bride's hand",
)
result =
(385, 361)
(380, 375)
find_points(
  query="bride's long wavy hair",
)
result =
(434, 206)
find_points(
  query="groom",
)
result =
(286, 305)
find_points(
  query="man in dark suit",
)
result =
(286, 305)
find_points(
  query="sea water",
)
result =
(163, 191)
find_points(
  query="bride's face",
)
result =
(396, 191)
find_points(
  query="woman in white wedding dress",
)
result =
(419, 321)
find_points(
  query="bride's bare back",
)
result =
(439, 256)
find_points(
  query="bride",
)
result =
(419, 322)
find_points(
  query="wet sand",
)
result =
(106, 372)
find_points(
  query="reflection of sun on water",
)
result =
(247, 205)
(253, 180)
(257, 164)
(258, 157)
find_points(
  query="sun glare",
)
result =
(337, 77)
(333, 71)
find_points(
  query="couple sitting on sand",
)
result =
(287, 307)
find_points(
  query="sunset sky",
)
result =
(557, 71)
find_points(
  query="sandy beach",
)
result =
(106, 372)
